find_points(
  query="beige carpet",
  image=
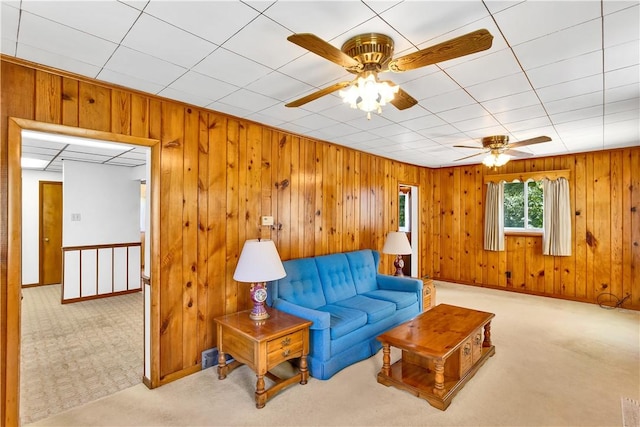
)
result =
(75, 353)
(557, 363)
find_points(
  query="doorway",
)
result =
(14, 258)
(408, 222)
(50, 208)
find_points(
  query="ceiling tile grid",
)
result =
(569, 70)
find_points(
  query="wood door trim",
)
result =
(41, 231)
(10, 378)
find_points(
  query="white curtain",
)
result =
(494, 217)
(557, 218)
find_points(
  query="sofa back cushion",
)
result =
(335, 276)
(363, 269)
(301, 285)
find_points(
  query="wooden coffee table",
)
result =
(442, 349)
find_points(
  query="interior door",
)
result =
(50, 232)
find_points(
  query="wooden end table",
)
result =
(442, 349)
(262, 345)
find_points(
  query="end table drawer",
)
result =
(283, 348)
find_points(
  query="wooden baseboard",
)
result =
(72, 300)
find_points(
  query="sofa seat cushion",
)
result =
(399, 298)
(376, 309)
(343, 319)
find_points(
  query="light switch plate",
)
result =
(267, 220)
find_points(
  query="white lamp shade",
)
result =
(397, 243)
(259, 262)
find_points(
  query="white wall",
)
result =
(105, 199)
(31, 222)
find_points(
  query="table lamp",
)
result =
(259, 263)
(397, 244)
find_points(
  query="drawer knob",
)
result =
(286, 341)
(478, 339)
(285, 353)
(467, 349)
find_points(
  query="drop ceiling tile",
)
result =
(520, 114)
(483, 122)
(344, 113)
(389, 130)
(622, 26)
(9, 19)
(423, 122)
(485, 68)
(577, 67)
(83, 157)
(516, 128)
(265, 42)
(621, 106)
(377, 121)
(64, 41)
(285, 114)
(429, 86)
(441, 134)
(400, 116)
(279, 86)
(580, 127)
(203, 86)
(511, 102)
(109, 20)
(265, 119)
(622, 134)
(321, 104)
(144, 67)
(535, 19)
(423, 21)
(574, 102)
(166, 42)
(447, 101)
(215, 21)
(622, 116)
(229, 109)
(339, 130)
(466, 112)
(620, 93)
(622, 56)
(622, 76)
(8, 47)
(498, 88)
(55, 60)
(231, 68)
(251, 101)
(129, 81)
(569, 43)
(138, 4)
(573, 88)
(316, 18)
(294, 128)
(480, 133)
(581, 114)
(359, 137)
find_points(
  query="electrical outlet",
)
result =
(267, 220)
(508, 274)
(210, 358)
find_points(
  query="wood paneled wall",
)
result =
(220, 174)
(605, 199)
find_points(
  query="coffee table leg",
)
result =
(222, 366)
(438, 388)
(261, 395)
(386, 359)
(304, 371)
(487, 335)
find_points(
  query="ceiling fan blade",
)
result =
(315, 44)
(469, 146)
(468, 157)
(402, 100)
(517, 153)
(315, 95)
(473, 42)
(535, 140)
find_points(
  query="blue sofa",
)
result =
(349, 303)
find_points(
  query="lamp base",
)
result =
(399, 265)
(258, 296)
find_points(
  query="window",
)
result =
(523, 206)
(404, 222)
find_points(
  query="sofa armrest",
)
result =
(320, 319)
(399, 283)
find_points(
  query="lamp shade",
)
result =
(259, 262)
(397, 243)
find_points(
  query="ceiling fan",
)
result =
(366, 55)
(499, 149)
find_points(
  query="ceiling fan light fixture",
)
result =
(368, 94)
(495, 160)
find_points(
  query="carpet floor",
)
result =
(72, 354)
(557, 363)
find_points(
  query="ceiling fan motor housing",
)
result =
(495, 142)
(373, 50)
